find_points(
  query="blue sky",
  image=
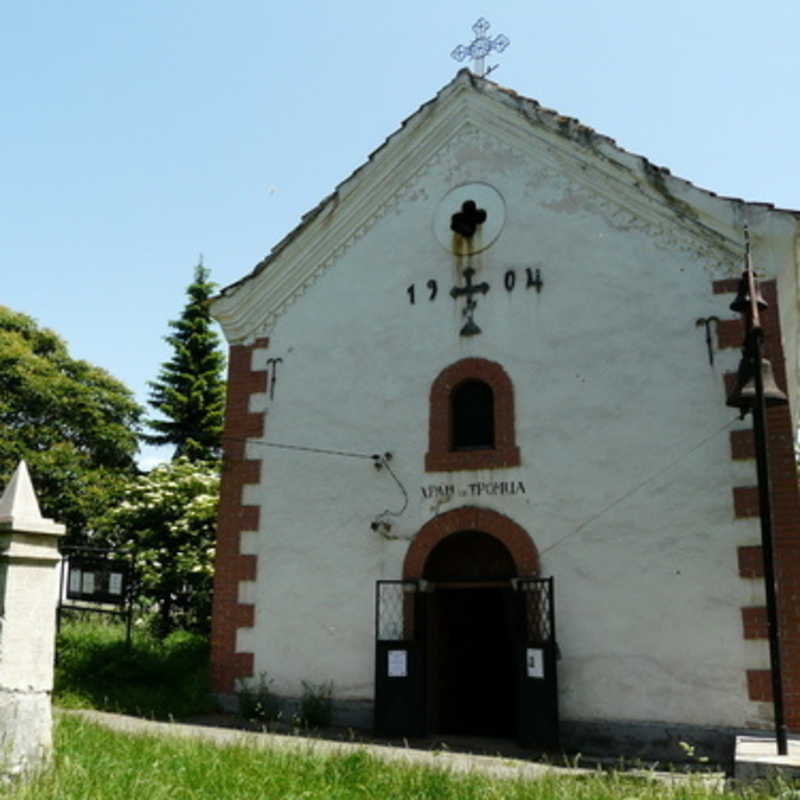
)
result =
(138, 135)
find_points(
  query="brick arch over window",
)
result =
(470, 518)
(440, 456)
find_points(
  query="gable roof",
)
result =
(700, 209)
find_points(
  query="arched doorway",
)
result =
(471, 635)
(465, 641)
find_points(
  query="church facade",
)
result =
(479, 468)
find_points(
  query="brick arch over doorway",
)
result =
(469, 518)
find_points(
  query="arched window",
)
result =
(472, 416)
(471, 424)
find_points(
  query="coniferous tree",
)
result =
(190, 390)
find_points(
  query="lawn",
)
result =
(165, 679)
(92, 763)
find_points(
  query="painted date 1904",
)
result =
(532, 278)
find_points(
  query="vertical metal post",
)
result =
(61, 567)
(131, 576)
(552, 609)
(128, 627)
(746, 397)
(765, 512)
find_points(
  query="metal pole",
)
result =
(765, 512)
(743, 397)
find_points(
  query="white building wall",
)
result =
(620, 419)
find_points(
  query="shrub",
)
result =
(166, 522)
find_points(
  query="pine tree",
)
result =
(190, 391)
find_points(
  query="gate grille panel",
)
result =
(399, 659)
(539, 619)
(394, 610)
(537, 691)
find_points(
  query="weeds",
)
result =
(258, 703)
(690, 751)
(316, 705)
(152, 678)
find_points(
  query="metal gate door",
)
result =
(537, 695)
(399, 659)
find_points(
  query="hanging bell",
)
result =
(741, 302)
(743, 396)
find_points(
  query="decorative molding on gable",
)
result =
(349, 215)
(633, 194)
(630, 191)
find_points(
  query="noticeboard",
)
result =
(97, 580)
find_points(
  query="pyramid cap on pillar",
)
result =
(19, 507)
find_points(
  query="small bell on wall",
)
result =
(743, 395)
(741, 302)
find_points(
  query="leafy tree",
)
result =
(75, 425)
(167, 522)
(190, 391)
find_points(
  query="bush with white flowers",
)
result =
(167, 523)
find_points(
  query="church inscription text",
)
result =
(446, 491)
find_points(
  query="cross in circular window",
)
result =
(466, 221)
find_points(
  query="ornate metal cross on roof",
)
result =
(480, 48)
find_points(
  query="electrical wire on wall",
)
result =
(303, 448)
(380, 523)
(594, 517)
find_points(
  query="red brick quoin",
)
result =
(470, 518)
(751, 562)
(754, 622)
(505, 452)
(742, 445)
(785, 517)
(228, 614)
(759, 685)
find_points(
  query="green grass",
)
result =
(94, 764)
(163, 679)
(152, 678)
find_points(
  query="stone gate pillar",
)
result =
(29, 579)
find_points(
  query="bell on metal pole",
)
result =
(743, 395)
(741, 303)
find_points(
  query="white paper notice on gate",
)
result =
(398, 664)
(534, 659)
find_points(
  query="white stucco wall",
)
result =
(620, 420)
